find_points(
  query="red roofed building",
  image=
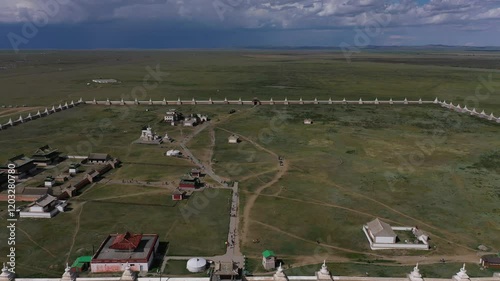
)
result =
(126, 242)
(118, 250)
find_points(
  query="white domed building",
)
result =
(196, 265)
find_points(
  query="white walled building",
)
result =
(46, 206)
(381, 232)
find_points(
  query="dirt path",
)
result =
(321, 203)
(314, 242)
(406, 216)
(251, 200)
(401, 260)
(34, 242)
(77, 228)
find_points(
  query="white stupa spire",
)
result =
(68, 275)
(128, 274)
(6, 275)
(280, 275)
(461, 275)
(436, 100)
(415, 274)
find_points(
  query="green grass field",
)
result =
(409, 165)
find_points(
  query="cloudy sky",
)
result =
(83, 24)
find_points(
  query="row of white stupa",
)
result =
(322, 275)
(39, 114)
(271, 101)
(472, 112)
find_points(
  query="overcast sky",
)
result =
(83, 24)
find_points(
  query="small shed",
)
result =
(81, 264)
(195, 173)
(189, 183)
(49, 182)
(268, 260)
(178, 195)
(233, 139)
(491, 261)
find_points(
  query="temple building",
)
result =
(148, 136)
(121, 250)
(45, 156)
(24, 166)
(46, 206)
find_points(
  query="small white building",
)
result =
(233, 139)
(308, 121)
(190, 122)
(172, 117)
(173, 153)
(49, 182)
(46, 206)
(381, 232)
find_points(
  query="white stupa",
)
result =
(344, 101)
(376, 101)
(6, 275)
(415, 274)
(390, 101)
(20, 119)
(68, 275)
(128, 274)
(405, 101)
(461, 275)
(324, 273)
(10, 122)
(436, 100)
(473, 112)
(360, 101)
(491, 117)
(420, 101)
(280, 275)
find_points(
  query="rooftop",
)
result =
(268, 253)
(45, 200)
(126, 241)
(45, 150)
(142, 251)
(380, 228)
(19, 160)
(99, 156)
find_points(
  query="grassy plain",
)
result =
(409, 165)
(61, 75)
